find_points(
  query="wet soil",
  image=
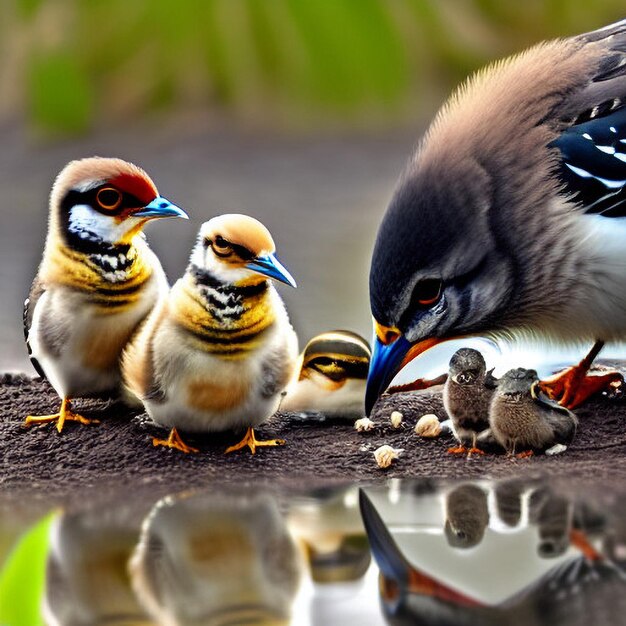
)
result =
(84, 461)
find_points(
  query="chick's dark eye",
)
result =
(221, 247)
(427, 292)
(109, 198)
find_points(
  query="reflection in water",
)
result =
(479, 552)
(216, 559)
(570, 577)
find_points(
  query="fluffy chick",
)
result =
(522, 418)
(217, 353)
(97, 279)
(331, 376)
(467, 396)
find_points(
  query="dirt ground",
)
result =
(118, 452)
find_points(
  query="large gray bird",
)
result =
(508, 220)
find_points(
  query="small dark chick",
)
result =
(467, 397)
(523, 419)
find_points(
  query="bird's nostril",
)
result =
(162, 205)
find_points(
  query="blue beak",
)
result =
(271, 267)
(387, 360)
(161, 207)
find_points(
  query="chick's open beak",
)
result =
(391, 353)
(270, 266)
(161, 207)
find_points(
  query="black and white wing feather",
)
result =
(36, 291)
(593, 146)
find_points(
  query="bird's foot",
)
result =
(253, 443)
(475, 450)
(525, 455)
(571, 387)
(457, 450)
(174, 441)
(418, 384)
(579, 540)
(65, 414)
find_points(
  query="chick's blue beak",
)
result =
(270, 266)
(161, 207)
(387, 360)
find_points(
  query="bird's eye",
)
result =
(427, 292)
(109, 198)
(221, 247)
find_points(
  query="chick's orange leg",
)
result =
(418, 384)
(253, 443)
(457, 450)
(174, 441)
(65, 414)
(571, 387)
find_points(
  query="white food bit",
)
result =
(364, 425)
(396, 419)
(556, 449)
(428, 426)
(385, 455)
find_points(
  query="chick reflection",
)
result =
(213, 559)
(87, 581)
(467, 516)
(586, 588)
(328, 524)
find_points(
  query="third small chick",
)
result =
(522, 418)
(467, 396)
(331, 377)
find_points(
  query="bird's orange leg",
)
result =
(457, 450)
(174, 441)
(474, 449)
(418, 384)
(65, 414)
(253, 443)
(525, 455)
(579, 540)
(571, 387)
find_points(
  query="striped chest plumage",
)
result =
(111, 277)
(225, 320)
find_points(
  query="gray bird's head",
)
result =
(517, 383)
(467, 366)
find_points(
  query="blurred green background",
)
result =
(301, 113)
(68, 66)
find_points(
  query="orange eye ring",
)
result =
(430, 292)
(109, 198)
(221, 247)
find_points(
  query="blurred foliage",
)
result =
(67, 63)
(23, 574)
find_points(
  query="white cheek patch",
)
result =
(89, 224)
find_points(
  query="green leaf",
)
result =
(22, 578)
(59, 95)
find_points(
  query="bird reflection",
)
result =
(216, 559)
(87, 582)
(467, 516)
(328, 525)
(584, 587)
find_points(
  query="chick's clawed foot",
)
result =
(573, 386)
(253, 443)
(457, 450)
(174, 441)
(64, 414)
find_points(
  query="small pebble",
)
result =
(428, 426)
(556, 449)
(364, 425)
(396, 419)
(385, 455)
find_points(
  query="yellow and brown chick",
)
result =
(331, 376)
(218, 352)
(97, 281)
